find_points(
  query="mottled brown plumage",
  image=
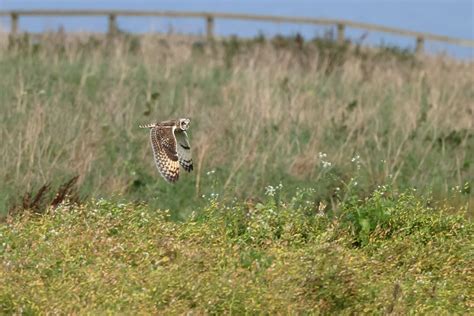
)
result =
(170, 145)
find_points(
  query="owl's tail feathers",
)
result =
(147, 125)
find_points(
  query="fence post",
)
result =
(14, 27)
(12, 37)
(210, 27)
(340, 33)
(420, 43)
(112, 24)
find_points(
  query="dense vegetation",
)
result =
(328, 178)
(384, 254)
(306, 114)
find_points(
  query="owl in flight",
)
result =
(170, 145)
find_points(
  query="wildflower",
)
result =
(326, 164)
(211, 172)
(270, 190)
(356, 160)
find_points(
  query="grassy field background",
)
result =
(329, 179)
(384, 255)
(306, 114)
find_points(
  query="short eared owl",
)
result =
(170, 145)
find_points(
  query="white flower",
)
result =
(211, 172)
(326, 164)
(270, 190)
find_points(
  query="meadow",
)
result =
(327, 178)
(263, 112)
(384, 255)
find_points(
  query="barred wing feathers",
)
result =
(184, 150)
(163, 143)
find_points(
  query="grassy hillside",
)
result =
(385, 254)
(304, 114)
(329, 179)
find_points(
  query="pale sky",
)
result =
(447, 17)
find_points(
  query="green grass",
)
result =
(388, 253)
(329, 179)
(261, 113)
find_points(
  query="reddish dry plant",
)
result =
(46, 198)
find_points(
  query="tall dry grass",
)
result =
(260, 115)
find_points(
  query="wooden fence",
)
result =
(209, 18)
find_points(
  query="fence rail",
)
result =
(210, 17)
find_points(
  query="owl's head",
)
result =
(183, 124)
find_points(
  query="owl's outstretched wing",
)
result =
(163, 143)
(184, 150)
